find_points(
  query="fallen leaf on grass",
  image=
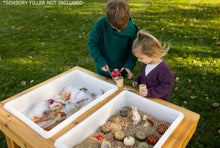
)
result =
(31, 81)
(189, 81)
(215, 104)
(176, 88)
(23, 83)
(183, 106)
(177, 79)
(193, 97)
(185, 102)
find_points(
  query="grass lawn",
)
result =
(38, 42)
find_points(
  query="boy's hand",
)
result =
(105, 68)
(130, 74)
(143, 92)
(134, 84)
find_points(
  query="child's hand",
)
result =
(134, 84)
(130, 74)
(143, 92)
(105, 68)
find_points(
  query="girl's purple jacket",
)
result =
(159, 81)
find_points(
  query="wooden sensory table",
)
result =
(18, 134)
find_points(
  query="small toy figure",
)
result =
(136, 117)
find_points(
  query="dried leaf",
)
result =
(198, 91)
(215, 104)
(176, 88)
(189, 81)
(177, 79)
(183, 106)
(31, 81)
(185, 102)
(193, 97)
(23, 83)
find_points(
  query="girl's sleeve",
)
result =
(94, 42)
(166, 84)
(138, 80)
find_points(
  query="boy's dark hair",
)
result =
(118, 13)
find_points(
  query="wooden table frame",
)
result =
(18, 134)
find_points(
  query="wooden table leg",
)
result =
(11, 143)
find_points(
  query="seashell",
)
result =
(115, 127)
(144, 117)
(119, 135)
(106, 144)
(148, 122)
(105, 128)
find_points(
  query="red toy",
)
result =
(152, 139)
(162, 128)
(99, 137)
(115, 73)
(50, 101)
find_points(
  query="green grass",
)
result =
(39, 42)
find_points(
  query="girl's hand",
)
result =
(143, 92)
(105, 68)
(134, 84)
(130, 74)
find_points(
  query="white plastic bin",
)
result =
(23, 104)
(125, 98)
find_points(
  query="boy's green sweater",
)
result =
(110, 47)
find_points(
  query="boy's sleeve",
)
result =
(94, 46)
(131, 58)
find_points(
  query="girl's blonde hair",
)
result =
(148, 45)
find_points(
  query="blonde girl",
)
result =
(155, 73)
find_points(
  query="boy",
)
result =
(111, 39)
